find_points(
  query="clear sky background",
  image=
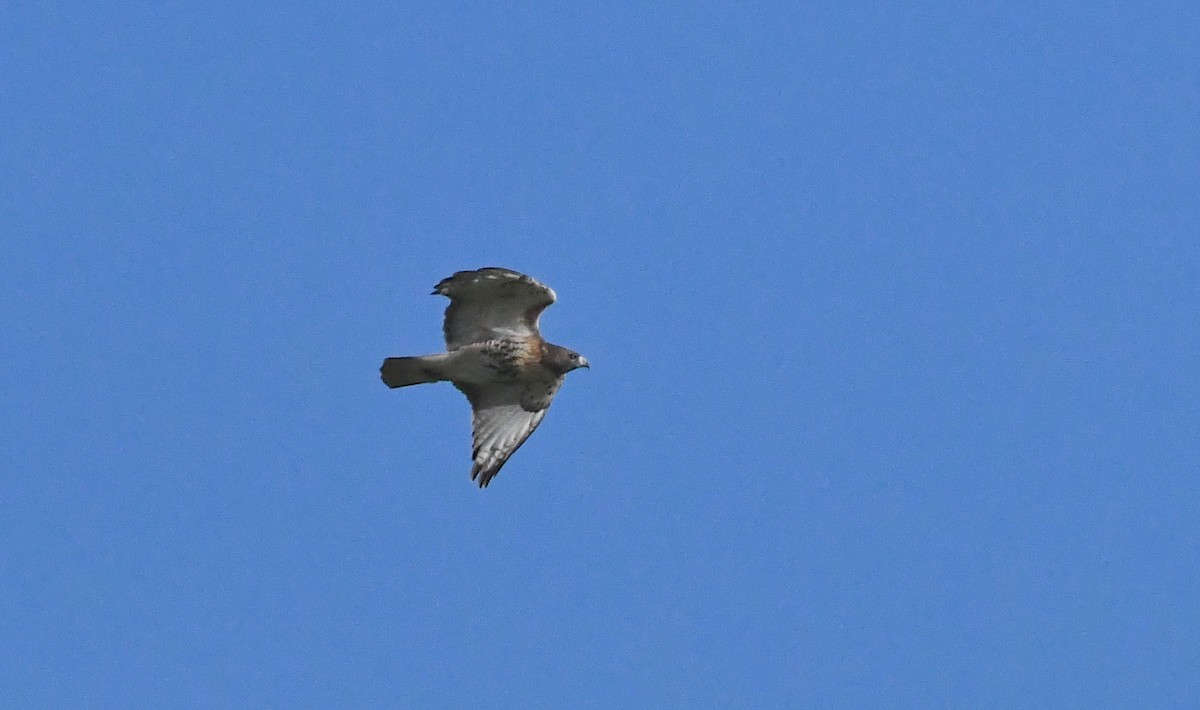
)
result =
(891, 309)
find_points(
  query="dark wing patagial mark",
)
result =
(538, 395)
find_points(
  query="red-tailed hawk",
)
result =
(496, 357)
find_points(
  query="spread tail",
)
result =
(405, 371)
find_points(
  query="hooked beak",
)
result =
(583, 362)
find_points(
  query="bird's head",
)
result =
(562, 359)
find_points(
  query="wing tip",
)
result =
(483, 476)
(484, 469)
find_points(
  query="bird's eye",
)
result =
(574, 356)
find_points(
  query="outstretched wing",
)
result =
(504, 415)
(490, 304)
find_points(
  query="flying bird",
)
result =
(496, 356)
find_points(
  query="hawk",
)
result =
(496, 357)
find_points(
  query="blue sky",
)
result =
(891, 309)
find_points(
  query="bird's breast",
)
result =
(495, 361)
